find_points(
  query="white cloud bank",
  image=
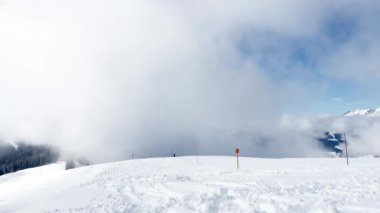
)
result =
(111, 78)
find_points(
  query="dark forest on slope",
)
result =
(24, 156)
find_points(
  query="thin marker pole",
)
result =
(237, 158)
(237, 151)
(345, 144)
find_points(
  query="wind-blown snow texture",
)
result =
(203, 184)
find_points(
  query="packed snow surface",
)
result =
(197, 184)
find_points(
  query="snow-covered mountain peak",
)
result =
(363, 112)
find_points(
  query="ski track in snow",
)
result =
(211, 184)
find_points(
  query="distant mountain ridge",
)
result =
(363, 112)
(334, 141)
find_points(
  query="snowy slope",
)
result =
(363, 112)
(206, 184)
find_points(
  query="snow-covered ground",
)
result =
(203, 184)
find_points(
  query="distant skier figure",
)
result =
(174, 155)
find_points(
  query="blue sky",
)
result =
(310, 59)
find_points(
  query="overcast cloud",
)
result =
(111, 78)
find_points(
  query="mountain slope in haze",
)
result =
(197, 184)
(363, 112)
(332, 142)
